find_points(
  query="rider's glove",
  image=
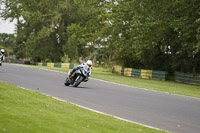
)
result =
(88, 75)
(79, 67)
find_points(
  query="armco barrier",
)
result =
(49, 64)
(140, 73)
(71, 66)
(187, 78)
(65, 65)
(12, 60)
(117, 69)
(39, 63)
(146, 74)
(122, 71)
(57, 64)
(44, 64)
(127, 71)
(136, 73)
(158, 75)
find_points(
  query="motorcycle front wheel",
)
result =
(67, 82)
(78, 80)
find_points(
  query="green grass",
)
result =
(24, 111)
(158, 85)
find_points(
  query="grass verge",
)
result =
(23, 111)
(158, 85)
(164, 86)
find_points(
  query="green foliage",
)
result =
(160, 34)
(65, 59)
(8, 42)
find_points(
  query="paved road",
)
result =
(172, 113)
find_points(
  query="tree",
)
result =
(160, 34)
(8, 42)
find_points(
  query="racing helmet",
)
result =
(89, 63)
(2, 51)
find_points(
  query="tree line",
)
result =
(7, 42)
(149, 34)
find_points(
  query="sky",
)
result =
(6, 26)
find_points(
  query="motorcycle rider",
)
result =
(87, 66)
(2, 56)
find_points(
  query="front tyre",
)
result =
(78, 80)
(67, 82)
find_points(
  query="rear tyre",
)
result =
(67, 82)
(78, 80)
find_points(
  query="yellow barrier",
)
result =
(117, 69)
(127, 71)
(65, 65)
(50, 64)
(146, 74)
(39, 63)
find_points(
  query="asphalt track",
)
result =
(165, 111)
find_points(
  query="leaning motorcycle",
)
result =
(77, 77)
(1, 60)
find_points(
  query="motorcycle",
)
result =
(1, 60)
(77, 77)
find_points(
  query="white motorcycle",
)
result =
(1, 59)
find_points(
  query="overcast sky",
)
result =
(6, 26)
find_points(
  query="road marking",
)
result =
(81, 106)
(93, 110)
(147, 89)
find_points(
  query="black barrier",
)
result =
(122, 71)
(160, 75)
(187, 78)
(57, 64)
(71, 66)
(136, 73)
(44, 64)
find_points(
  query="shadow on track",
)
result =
(79, 87)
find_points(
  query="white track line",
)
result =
(103, 112)
(93, 110)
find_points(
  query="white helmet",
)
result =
(89, 62)
(2, 51)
